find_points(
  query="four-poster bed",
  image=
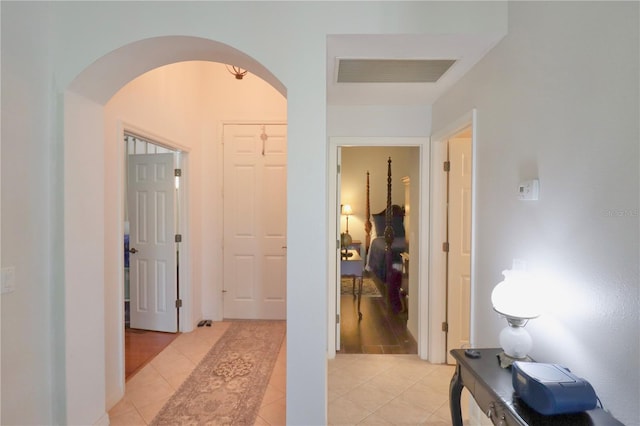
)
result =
(384, 262)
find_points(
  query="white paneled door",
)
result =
(459, 264)
(255, 221)
(152, 258)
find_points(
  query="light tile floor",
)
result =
(363, 389)
(389, 390)
(148, 390)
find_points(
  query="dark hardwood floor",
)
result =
(380, 331)
(141, 346)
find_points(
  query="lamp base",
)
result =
(506, 360)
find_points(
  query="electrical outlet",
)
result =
(8, 279)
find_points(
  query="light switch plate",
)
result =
(8, 279)
(529, 190)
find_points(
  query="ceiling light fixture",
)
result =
(237, 71)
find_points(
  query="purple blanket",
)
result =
(376, 260)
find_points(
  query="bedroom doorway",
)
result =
(383, 318)
(152, 252)
(152, 225)
(414, 151)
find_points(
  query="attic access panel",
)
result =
(392, 70)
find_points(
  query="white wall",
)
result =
(53, 43)
(185, 104)
(379, 120)
(557, 100)
(30, 184)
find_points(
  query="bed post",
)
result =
(367, 222)
(388, 229)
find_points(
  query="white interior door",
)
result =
(255, 221)
(459, 264)
(151, 201)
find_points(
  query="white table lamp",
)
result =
(515, 298)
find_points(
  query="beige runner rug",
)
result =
(227, 386)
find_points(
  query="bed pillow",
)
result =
(378, 224)
(397, 223)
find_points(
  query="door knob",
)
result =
(133, 250)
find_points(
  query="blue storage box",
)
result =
(552, 389)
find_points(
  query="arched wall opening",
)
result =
(88, 213)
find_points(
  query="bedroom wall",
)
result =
(559, 102)
(356, 161)
(184, 103)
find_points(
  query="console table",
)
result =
(492, 390)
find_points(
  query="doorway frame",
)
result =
(182, 200)
(95, 386)
(336, 142)
(438, 223)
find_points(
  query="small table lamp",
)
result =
(515, 298)
(346, 211)
(345, 238)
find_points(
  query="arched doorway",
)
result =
(93, 320)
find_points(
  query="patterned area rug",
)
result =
(227, 386)
(368, 287)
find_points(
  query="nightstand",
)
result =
(356, 245)
(353, 266)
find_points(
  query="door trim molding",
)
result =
(218, 313)
(438, 218)
(333, 234)
(184, 273)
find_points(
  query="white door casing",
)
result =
(151, 201)
(255, 200)
(459, 257)
(338, 273)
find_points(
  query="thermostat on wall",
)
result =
(529, 190)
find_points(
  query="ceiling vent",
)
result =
(392, 70)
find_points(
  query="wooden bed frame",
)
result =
(390, 211)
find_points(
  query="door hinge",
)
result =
(446, 166)
(445, 247)
(178, 238)
(337, 318)
(338, 168)
(177, 172)
(178, 303)
(445, 327)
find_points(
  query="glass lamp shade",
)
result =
(515, 297)
(346, 210)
